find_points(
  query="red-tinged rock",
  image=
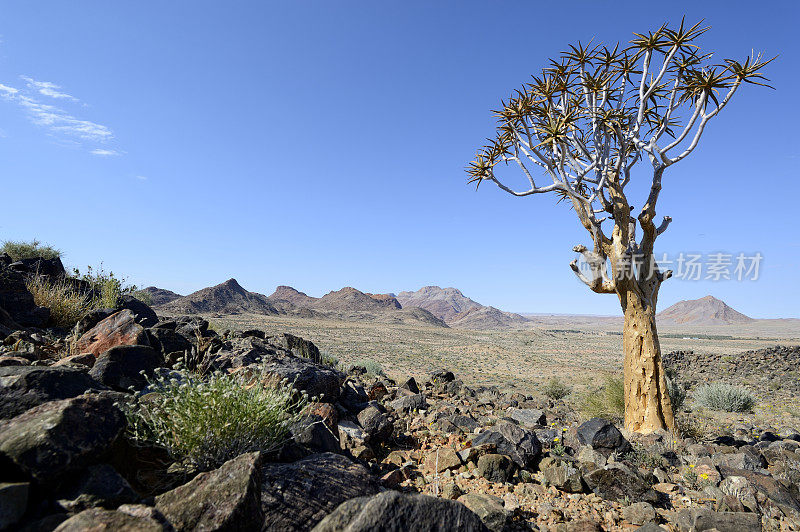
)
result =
(118, 329)
(327, 412)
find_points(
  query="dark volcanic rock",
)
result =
(621, 485)
(322, 382)
(24, 387)
(297, 496)
(296, 345)
(143, 314)
(18, 302)
(396, 512)
(375, 423)
(496, 467)
(602, 435)
(169, 341)
(13, 502)
(52, 439)
(99, 485)
(225, 499)
(98, 519)
(409, 403)
(521, 445)
(125, 366)
(699, 519)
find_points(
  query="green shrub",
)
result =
(328, 359)
(29, 250)
(555, 389)
(143, 296)
(608, 402)
(677, 394)
(109, 288)
(725, 397)
(373, 368)
(66, 304)
(205, 422)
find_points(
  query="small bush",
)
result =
(608, 402)
(677, 395)
(109, 288)
(66, 304)
(205, 422)
(29, 250)
(555, 389)
(373, 368)
(328, 359)
(725, 397)
(143, 296)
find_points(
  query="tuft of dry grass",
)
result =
(66, 304)
(608, 402)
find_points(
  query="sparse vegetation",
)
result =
(328, 359)
(204, 422)
(725, 397)
(29, 250)
(108, 287)
(555, 389)
(373, 367)
(143, 296)
(608, 402)
(67, 305)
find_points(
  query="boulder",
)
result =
(169, 341)
(409, 403)
(99, 485)
(40, 266)
(621, 485)
(24, 387)
(225, 499)
(528, 417)
(698, 520)
(495, 467)
(118, 329)
(442, 376)
(563, 474)
(297, 346)
(322, 382)
(779, 495)
(143, 314)
(90, 319)
(18, 302)
(313, 433)
(6, 361)
(602, 435)
(410, 385)
(442, 459)
(126, 366)
(392, 511)
(98, 519)
(13, 502)
(519, 444)
(639, 513)
(297, 496)
(376, 424)
(489, 509)
(49, 441)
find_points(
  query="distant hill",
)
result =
(160, 296)
(444, 303)
(485, 318)
(350, 299)
(704, 311)
(225, 298)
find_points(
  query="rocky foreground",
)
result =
(372, 453)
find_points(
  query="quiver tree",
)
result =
(583, 125)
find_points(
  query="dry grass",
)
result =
(66, 304)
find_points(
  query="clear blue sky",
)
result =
(322, 144)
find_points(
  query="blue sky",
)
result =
(322, 144)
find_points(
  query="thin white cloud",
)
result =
(104, 153)
(45, 88)
(56, 119)
(141, 177)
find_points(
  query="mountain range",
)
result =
(430, 305)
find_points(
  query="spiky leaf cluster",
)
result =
(592, 107)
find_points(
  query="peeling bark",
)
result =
(647, 404)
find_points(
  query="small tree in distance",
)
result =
(584, 123)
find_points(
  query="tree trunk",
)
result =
(647, 403)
